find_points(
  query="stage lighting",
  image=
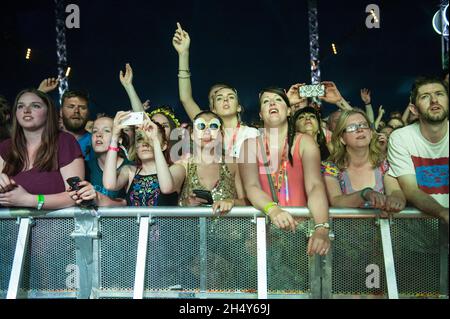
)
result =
(28, 55)
(440, 21)
(68, 71)
(333, 46)
(372, 12)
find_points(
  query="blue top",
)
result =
(85, 142)
(94, 174)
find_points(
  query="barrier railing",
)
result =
(186, 252)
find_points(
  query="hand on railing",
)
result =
(282, 219)
(222, 207)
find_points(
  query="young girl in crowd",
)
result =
(277, 173)
(223, 99)
(148, 180)
(38, 158)
(355, 174)
(102, 130)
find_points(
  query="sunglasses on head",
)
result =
(356, 126)
(200, 124)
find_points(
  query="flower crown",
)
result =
(167, 112)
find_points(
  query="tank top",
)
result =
(225, 187)
(296, 183)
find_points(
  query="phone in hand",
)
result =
(312, 90)
(73, 183)
(135, 118)
(203, 194)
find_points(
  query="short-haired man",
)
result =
(418, 153)
(75, 115)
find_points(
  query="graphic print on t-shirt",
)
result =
(431, 174)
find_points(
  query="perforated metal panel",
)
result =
(287, 260)
(50, 251)
(118, 252)
(231, 255)
(416, 253)
(357, 245)
(8, 234)
(173, 254)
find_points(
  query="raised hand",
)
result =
(365, 96)
(294, 95)
(181, 40)
(48, 85)
(146, 105)
(150, 129)
(118, 120)
(332, 94)
(127, 78)
(381, 111)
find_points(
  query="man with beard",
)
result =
(418, 153)
(75, 115)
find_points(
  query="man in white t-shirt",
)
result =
(418, 153)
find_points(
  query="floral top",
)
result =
(330, 169)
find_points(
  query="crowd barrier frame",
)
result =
(87, 238)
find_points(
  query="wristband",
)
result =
(41, 201)
(324, 225)
(268, 207)
(112, 148)
(363, 193)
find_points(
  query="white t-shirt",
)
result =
(244, 133)
(409, 153)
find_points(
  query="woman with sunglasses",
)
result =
(208, 170)
(147, 182)
(355, 174)
(223, 99)
(276, 173)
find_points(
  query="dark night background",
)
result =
(250, 44)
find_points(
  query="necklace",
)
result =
(280, 175)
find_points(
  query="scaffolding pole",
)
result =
(61, 50)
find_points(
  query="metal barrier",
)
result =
(186, 252)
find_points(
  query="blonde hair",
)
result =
(339, 155)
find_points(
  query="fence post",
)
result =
(19, 258)
(443, 255)
(388, 257)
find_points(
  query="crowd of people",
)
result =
(293, 157)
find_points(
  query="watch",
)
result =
(324, 225)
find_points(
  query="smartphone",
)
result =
(206, 195)
(312, 90)
(135, 118)
(73, 183)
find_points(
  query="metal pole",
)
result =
(388, 259)
(61, 51)
(141, 260)
(261, 249)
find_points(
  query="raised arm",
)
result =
(379, 117)
(181, 43)
(127, 82)
(112, 180)
(333, 96)
(365, 97)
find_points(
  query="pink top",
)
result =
(296, 184)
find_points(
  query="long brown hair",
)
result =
(16, 160)
(339, 155)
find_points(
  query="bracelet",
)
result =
(363, 193)
(324, 225)
(269, 207)
(179, 70)
(183, 77)
(112, 148)
(41, 201)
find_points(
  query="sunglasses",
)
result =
(356, 127)
(200, 124)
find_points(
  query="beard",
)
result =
(434, 119)
(74, 125)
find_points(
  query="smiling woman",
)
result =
(38, 158)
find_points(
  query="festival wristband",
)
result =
(269, 207)
(112, 148)
(41, 201)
